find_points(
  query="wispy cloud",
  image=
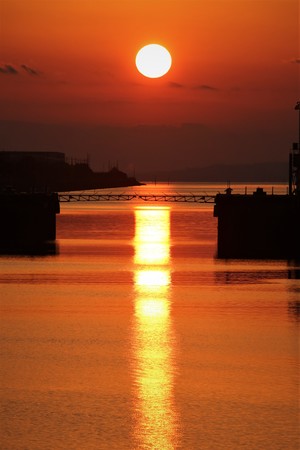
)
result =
(30, 70)
(200, 87)
(8, 69)
(173, 84)
(13, 69)
(206, 87)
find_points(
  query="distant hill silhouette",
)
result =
(268, 172)
(143, 148)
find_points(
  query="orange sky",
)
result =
(235, 62)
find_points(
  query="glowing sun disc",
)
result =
(153, 61)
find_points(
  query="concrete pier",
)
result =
(27, 220)
(258, 225)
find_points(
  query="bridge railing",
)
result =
(175, 198)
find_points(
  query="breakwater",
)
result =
(27, 220)
(258, 225)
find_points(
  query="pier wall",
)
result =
(27, 219)
(258, 226)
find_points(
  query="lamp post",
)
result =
(296, 157)
(297, 107)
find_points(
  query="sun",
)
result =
(153, 61)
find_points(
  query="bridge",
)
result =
(175, 198)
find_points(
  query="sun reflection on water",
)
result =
(153, 340)
(152, 236)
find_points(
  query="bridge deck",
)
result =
(183, 198)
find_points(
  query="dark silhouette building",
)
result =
(51, 172)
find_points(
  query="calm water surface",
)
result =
(134, 336)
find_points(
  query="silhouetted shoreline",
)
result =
(50, 172)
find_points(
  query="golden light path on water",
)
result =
(153, 340)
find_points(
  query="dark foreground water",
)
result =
(134, 336)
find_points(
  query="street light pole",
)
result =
(296, 157)
(297, 107)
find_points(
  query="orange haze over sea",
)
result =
(235, 68)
